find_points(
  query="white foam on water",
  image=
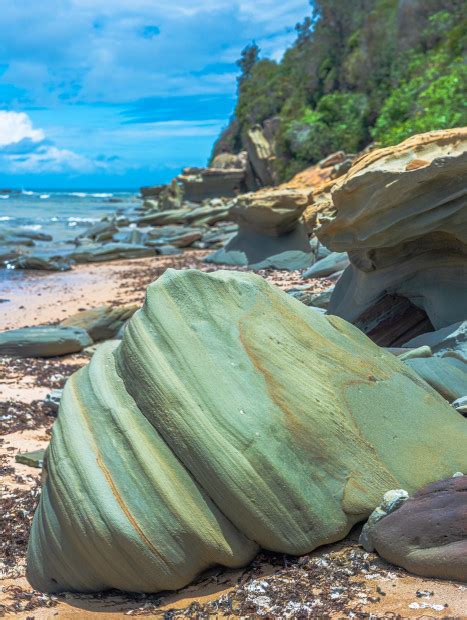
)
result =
(83, 219)
(102, 195)
(31, 226)
(4, 197)
(5, 218)
(79, 194)
(27, 192)
(44, 196)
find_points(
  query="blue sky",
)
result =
(121, 93)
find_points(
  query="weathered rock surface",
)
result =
(102, 322)
(204, 183)
(401, 215)
(43, 341)
(427, 534)
(272, 424)
(271, 212)
(270, 233)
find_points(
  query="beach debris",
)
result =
(290, 386)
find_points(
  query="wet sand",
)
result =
(366, 584)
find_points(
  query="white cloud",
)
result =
(52, 159)
(17, 126)
(32, 152)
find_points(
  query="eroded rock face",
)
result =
(272, 423)
(401, 215)
(205, 183)
(271, 233)
(427, 534)
(271, 212)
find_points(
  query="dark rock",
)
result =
(43, 341)
(52, 400)
(290, 251)
(427, 534)
(261, 156)
(168, 250)
(152, 191)
(391, 320)
(42, 263)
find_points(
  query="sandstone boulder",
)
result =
(102, 322)
(271, 233)
(401, 215)
(272, 423)
(427, 534)
(205, 183)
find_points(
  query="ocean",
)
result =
(64, 215)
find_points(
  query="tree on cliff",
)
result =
(358, 71)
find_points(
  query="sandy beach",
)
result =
(367, 583)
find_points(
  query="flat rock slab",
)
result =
(335, 261)
(230, 417)
(43, 341)
(427, 535)
(33, 459)
(447, 375)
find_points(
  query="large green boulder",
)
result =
(231, 416)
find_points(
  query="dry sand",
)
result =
(369, 585)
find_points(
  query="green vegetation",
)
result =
(360, 71)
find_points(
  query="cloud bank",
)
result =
(80, 69)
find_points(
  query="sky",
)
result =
(122, 93)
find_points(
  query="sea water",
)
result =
(64, 215)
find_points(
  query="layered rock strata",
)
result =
(401, 214)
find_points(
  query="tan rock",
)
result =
(272, 212)
(401, 214)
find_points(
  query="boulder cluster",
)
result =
(226, 415)
(156, 472)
